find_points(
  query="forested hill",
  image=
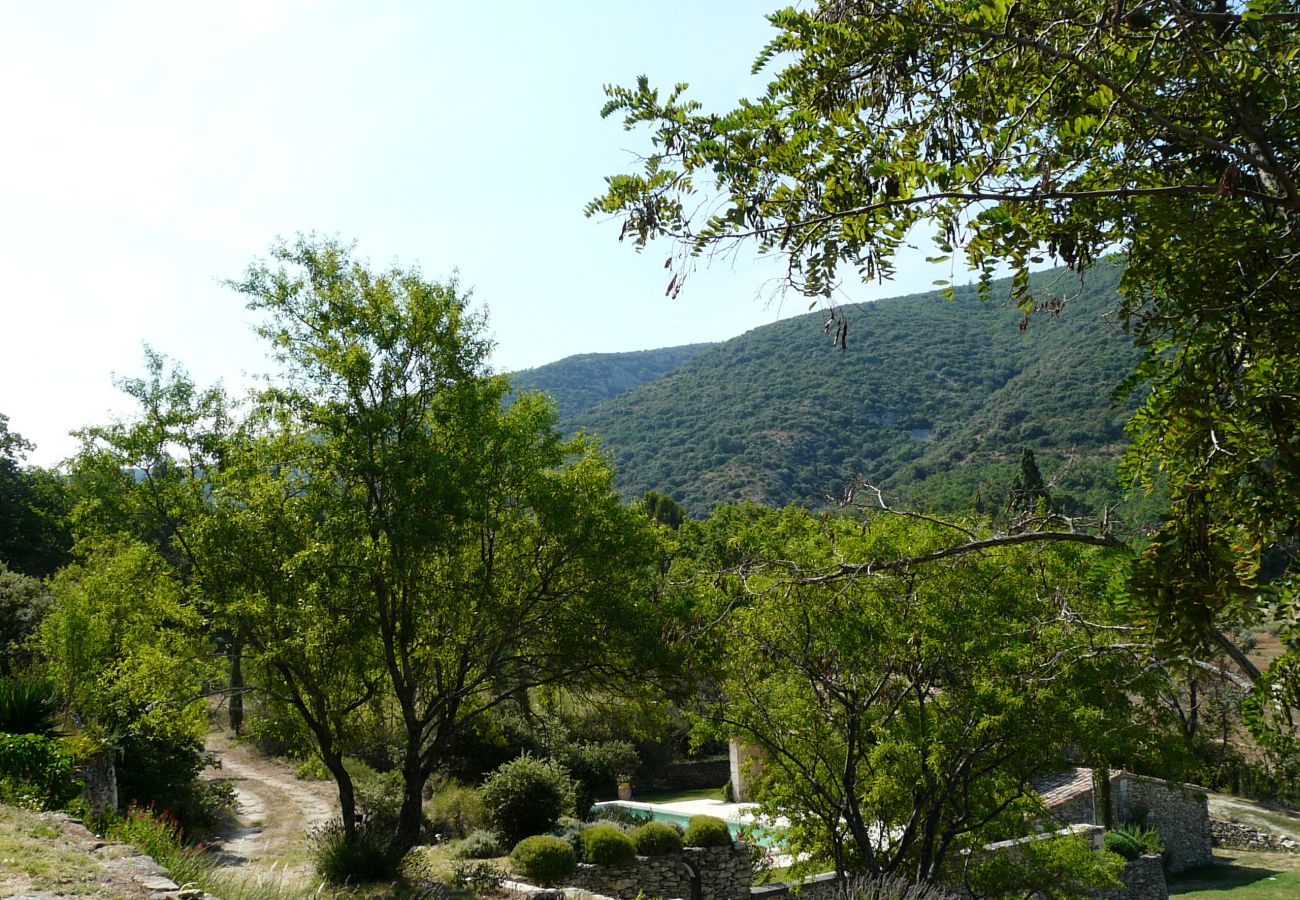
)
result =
(933, 398)
(577, 383)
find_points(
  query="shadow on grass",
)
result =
(1218, 876)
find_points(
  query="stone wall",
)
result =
(685, 775)
(1142, 879)
(99, 777)
(1240, 836)
(1179, 812)
(815, 887)
(655, 876)
(723, 873)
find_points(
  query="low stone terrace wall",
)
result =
(723, 873)
(1239, 836)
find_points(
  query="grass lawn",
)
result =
(34, 854)
(1242, 874)
(714, 793)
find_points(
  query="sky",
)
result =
(151, 150)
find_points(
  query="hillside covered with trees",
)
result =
(577, 383)
(932, 398)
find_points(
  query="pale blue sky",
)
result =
(150, 149)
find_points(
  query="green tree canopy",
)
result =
(476, 553)
(902, 715)
(1023, 131)
(34, 506)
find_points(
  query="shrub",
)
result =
(621, 815)
(457, 810)
(28, 706)
(605, 845)
(707, 831)
(311, 769)
(656, 839)
(573, 834)
(157, 834)
(35, 771)
(479, 878)
(1124, 844)
(544, 858)
(276, 734)
(1146, 838)
(368, 855)
(206, 806)
(594, 767)
(379, 796)
(480, 844)
(160, 768)
(526, 796)
(887, 887)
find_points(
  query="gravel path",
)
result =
(1262, 814)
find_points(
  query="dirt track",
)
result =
(275, 811)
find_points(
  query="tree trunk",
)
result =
(1102, 776)
(411, 817)
(236, 685)
(347, 794)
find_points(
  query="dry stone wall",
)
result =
(723, 874)
(816, 887)
(1239, 836)
(1142, 879)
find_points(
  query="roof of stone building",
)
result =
(1061, 787)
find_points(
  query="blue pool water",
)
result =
(766, 837)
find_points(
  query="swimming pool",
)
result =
(738, 816)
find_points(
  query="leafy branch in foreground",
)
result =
(1023, 131)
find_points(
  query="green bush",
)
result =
(36, 771)
(888, 887)
(157, 834)
(1124, 844)
(594, 768)
(526, 796)
(544, 858)
(656, 839)
(379, 794)
(368, 855)
(707, 831)
(29, 706)
(311, 769)
(276, 734)
(480, 844)
(457, 810)
(1146, 838)
(621, 815)
(605, 845)
(159, 768)
(480, 879)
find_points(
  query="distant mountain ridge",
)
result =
(933, 398)
(578, 383)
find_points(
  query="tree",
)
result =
(34, 507)
(151, 477)
(903, 714)
(24, 602)
(123, 644)
(1029, 495)
(1021, 131)
(479, 553)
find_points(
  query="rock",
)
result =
(158, 883)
